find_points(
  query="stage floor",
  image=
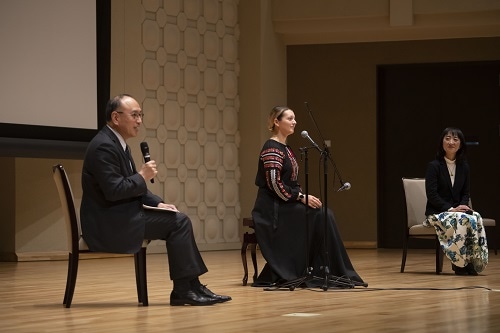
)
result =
(105, 298)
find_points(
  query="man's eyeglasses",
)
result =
(135, 115)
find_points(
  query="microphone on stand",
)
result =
(345, 186)
(305, 135)
(145, 154)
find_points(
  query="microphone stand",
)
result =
(292, 284)
(329, 279)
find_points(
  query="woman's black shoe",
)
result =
(459, 270)
(470, 269)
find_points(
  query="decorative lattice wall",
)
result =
(190, 99)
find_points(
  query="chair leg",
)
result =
(68, 279)
(144, 280)
(141, 277)
(244, 257)
(405, 250)
(253, 248)
(493, 240)
(71, 279)
(439, 257)
(138, 277)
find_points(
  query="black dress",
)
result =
(280, 227)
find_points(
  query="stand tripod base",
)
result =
(325, 283)
(337, 282)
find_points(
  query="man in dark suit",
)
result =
(112, 215)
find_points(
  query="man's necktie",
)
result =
(129, 156)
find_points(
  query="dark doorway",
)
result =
(415, 103)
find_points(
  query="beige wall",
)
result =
(180, 61)
(32, 221)
(33, 224)
(262, 85)
(39, 224)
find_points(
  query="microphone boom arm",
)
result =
(325, 151)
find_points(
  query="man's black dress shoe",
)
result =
(190, 297)
(203, 290)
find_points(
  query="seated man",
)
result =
(112, 215)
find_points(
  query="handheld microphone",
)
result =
(145, 154)
(345, 186)
(305, 135)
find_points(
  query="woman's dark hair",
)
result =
(454, 132)
(114, 104)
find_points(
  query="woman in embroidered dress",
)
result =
(459, 229)
(279, 217)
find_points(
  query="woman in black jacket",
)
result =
(459, 229)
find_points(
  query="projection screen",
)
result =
(54, 75)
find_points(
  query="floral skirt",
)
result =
(462, 238)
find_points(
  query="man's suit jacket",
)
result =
(441, 195)
(111, 212)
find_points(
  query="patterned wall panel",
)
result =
(189, 78)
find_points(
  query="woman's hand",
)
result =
(461, 208)
(312, 201)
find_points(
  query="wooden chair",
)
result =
(77, 245)
(416, 198)
(249, 239)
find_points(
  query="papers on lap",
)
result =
(160, 208)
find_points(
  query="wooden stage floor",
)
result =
(105, 298)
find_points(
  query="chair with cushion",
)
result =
(416, 199)
(489, 223)
(77, 245)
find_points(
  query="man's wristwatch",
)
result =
(301, 196)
